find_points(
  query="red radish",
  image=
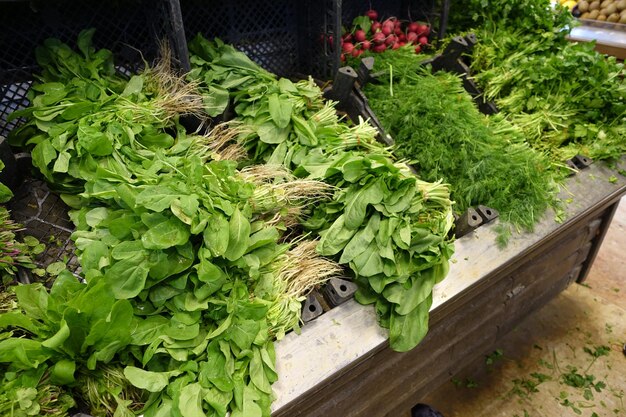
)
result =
(397, 24)
(397, 31)
(395, 45)
(330, 40)
(347, 47)
(379, 48)
(423, 40)
(411, 37)
(402, 37)
(418, 49)
(347, 37)
(372, 14)
(401, 43)
(360, 36)
(366, 45)
(343, 58)
(391, 39)
(376, 26)
(378, 37)
(413, 27)
(423, 30)
(387, 29)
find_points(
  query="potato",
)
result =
(622, 19)
(585, 15)
(613, 18)
(595, 5)
(583, 7)
(601, 18)
(605, 3)
(594, 14)
(610, 9)
(621, 5)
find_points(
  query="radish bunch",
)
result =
(370, 34)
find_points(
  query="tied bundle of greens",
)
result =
(190, 272)
(388, 226)
(436, 126)
(565, 97)
(533, 15)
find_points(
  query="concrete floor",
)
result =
(564, 360)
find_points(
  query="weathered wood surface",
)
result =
(331, 368)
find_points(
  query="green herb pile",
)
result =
(532, 15)
(189, 268)
(566, 98)
(387, 225)
(436, 126)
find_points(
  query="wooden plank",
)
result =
(452, 336)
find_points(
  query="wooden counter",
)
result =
(341, 364)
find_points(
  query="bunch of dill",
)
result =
(438, 128)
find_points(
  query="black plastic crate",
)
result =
(125, 27)
(286, 37)
(44, 216)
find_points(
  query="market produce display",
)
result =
(437, 127)
(198, 240)
(388, 226)
(566, 98)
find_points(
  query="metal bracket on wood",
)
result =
(342, 85)
(467, 222)
(487, 213)
(582, 161)
(338, 291)
(311, 308)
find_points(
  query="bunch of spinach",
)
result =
(184, 253)
(67, 332)
(437, 126)
(87, 120)
(387, 225)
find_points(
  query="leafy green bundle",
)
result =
(387, 225)
(436, 126)
(565, 97)
(532, 15)
(190, 275)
